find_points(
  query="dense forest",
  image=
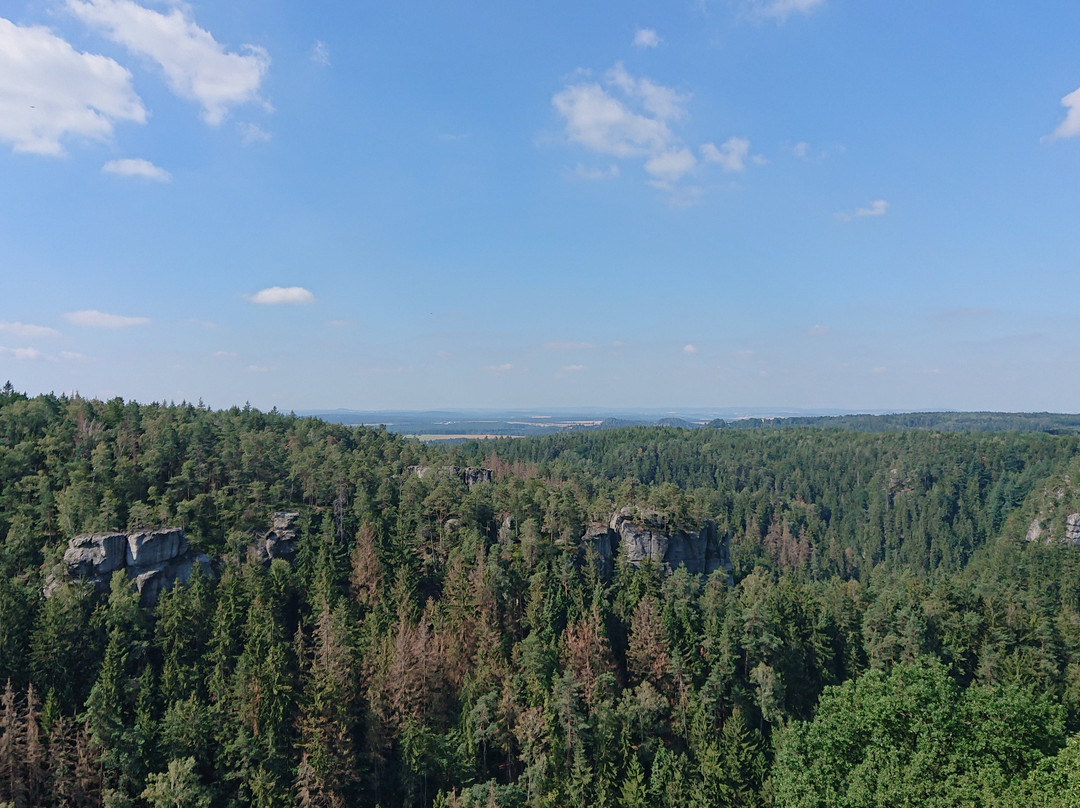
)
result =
(893, 630)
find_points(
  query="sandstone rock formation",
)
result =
(469, 476)
(641, 534)
(279, 541)
(155, 560)
(1072, 528)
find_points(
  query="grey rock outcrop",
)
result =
(279, 541)
(469, 476)
(154, 560)
(1072, 528)
(641, 535)
(1034, 530)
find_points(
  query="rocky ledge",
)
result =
(279, 541)
(155, 560)
(641, 534)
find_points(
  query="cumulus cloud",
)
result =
(634, 118)
(196, 66)
(49, 91)
(670, 166)
(99, 319)
(731, 155)
(282, 295)
(320, 54)
(689, 350)
(646, 38)
(28, 330)
(1070, 127)
(782, 9)
(879, 207)
(137, 167)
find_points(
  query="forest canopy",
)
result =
(888, 634)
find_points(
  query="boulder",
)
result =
(470, 476)
(279, 540)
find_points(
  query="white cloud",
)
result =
(573, 368)
(225, 354)
(801, 149)
(23, 354)
(670, 166)
(49, 91)
(137, 167)
(782, 9)
(1070, 127)
(196, 66)
(72, 356)
(99, 319)
(320, 54)
(279, 295)
(606, 125)
(730, 155)
(646, 38)
(505, 367)
(690, 350)
(879, 207)
(665, 103)
(28, 330)
(585, 173)
(628, 117)
(253, 133)
(818, 330)
(261, 368)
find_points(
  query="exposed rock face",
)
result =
(1072, 528)
(153, 559)
(645, 534)
(280, 540)
(469, 476)
(1034, 530)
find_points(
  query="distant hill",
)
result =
(1052, 423)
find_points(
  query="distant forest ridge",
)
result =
(453, 425)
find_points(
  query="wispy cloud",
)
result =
(573, 368)
(646, 38)
(583, 172)
(50, 92)
(782, 9)
(282, 295)
(879, 207)
(91, 318)
(28, 330)
(1070, 127)
(196, 66)
(253, 133)
(818, 330)
(23, 354)
(137, 167)
(689, 350)
(505, 367)
(731, 155)
(320, 54)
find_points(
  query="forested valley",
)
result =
(899, 626)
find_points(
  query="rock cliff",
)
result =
(469, 476)
(154, 559)
(642, 534)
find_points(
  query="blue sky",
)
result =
(800, 203)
